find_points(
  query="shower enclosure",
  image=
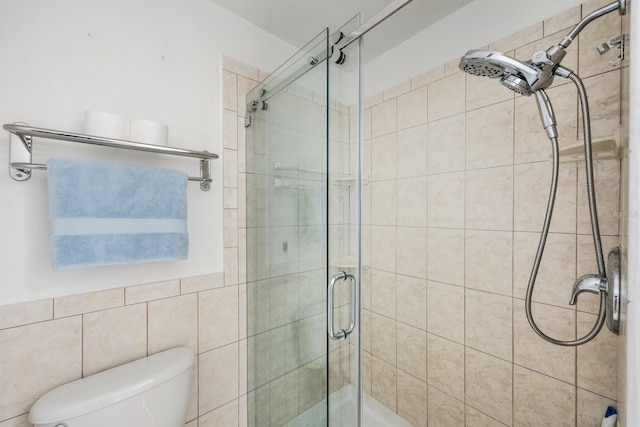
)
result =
(389, 241)
(303, 232)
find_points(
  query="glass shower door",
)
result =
(344, 231)
(300, 234)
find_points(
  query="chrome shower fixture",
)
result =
(619, 42)
(517, 76)
(522, 77)
(527, 77)
(533, 77)
(614, 42)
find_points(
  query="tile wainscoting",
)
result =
(50, 342)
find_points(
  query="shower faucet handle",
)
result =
(552, 56)
(592, 283)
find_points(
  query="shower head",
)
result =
(513, 74)
(489, 64)
(483, 64)
(516, 84)
(525, 78)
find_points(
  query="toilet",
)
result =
(149, 392)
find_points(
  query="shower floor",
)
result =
(374, 414)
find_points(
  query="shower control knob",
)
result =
(541, 57)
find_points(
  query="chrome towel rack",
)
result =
(21, 149)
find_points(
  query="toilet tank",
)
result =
(149, 392)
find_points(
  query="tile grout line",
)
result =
(513, 226)
(464, 295)
(577, 216)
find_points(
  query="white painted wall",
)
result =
(154, 59)
(475, 25)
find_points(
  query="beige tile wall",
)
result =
(459, 175)
(50, 342)
(624, 226)
(238, 80)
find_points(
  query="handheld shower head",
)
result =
(516, 84)
(490, 64)
(520, 77)
(513, 74)
(483, 64)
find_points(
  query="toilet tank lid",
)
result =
(111, 386)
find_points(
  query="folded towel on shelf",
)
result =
(108, 213)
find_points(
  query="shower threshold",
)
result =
(343, 408)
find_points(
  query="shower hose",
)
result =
(595, 229)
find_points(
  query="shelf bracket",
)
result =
(20, 150)
(205, 174)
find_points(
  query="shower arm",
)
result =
(619, 5)
(549, 60)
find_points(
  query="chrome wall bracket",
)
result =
(20, 149)
(613, 294)
(205, 174)
(622, 7)
(620, 43)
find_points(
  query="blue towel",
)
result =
(107, 213)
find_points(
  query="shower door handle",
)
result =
(342, 333)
